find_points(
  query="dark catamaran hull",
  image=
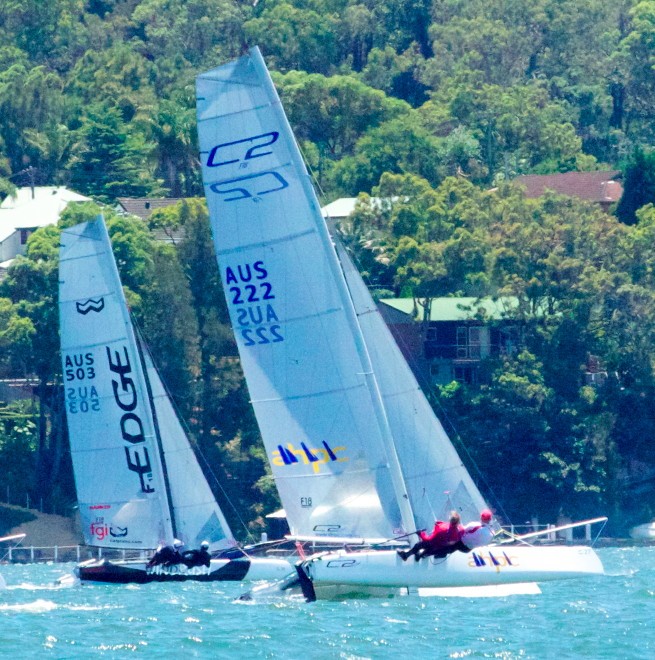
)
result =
(220, 570)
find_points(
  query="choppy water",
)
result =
(604, 617)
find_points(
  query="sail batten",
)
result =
(252, 246)
(309, 395)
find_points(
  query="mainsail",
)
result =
(328, 420)
(138, 483)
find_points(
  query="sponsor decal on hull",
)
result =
(178, 569)
(497, 559)
(342, 563)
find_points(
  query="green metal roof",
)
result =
(455, 309)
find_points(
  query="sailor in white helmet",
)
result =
(199, 557)
(168, 555)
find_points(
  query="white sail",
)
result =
(118, 473)
(435, 477)
(197, 515)
(301, 348)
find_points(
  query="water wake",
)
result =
(37, 607)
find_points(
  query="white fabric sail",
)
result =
(300, 346)
(197, 515)
(138, 480)
(436, 479)
(118, 473)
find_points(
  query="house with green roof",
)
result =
(446, 339)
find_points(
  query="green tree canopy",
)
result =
(638, 187)
(110, 160)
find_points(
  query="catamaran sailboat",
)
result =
(354, 446)
(138, 481)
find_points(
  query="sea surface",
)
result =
(611, 616)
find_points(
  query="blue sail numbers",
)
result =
(251, 294)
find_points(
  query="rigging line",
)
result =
(602, 527)
(208, 467)
(427, 497)
(194, 446)
(141, 350)
(321, 193)
(344, 294)
(471, 461)
(321, 196)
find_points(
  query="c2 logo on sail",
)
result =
(233, 152)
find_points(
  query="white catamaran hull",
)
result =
(219, 570)
(484, 566)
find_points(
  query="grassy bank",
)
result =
(12, 516)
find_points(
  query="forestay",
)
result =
(300, 346)
(435, 476)
(118, 473)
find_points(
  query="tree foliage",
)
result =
(427, 111)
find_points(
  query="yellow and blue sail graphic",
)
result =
(304, 455)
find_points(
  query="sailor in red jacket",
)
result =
(441, 542)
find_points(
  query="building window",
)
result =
(475, 342)
(510, 340)
(469, 342)
(24, 235)
(462, 342)
(466, 374)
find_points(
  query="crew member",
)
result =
(441, 542)
(477, 533)
(167, 555)
(199, 557)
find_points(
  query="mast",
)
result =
(398, 482)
